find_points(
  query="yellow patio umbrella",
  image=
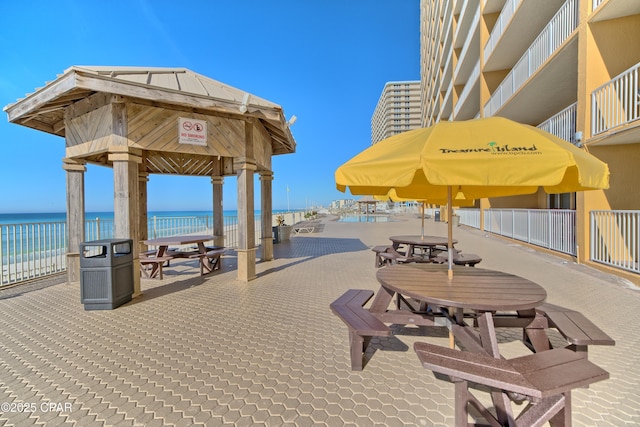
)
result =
(475, 159)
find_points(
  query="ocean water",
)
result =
(28, 218)
(26, 236)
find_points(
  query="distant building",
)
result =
(342, 204)
(398, 110)
(569, 67)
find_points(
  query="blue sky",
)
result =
(324, 61)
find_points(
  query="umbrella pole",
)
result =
(450, 232)
(452, 341)
(422, 228)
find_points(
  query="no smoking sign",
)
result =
(192, 131)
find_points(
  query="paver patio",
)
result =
(214, 351)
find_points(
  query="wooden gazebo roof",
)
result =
(176, 90)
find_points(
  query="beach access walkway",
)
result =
(213, 351)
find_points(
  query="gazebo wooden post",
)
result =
(266, 210)
(246, 222)
(125, 202)
(75, 215)
(143, 214)
(218, 212)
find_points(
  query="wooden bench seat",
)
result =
(579, 331)
(386, 255)
(459, 259)
(209, 261)
(361, 323)
(152, 253)
(151, 266)
(545, 379)
(382, 258)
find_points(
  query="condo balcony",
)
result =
(615, 109)
(467, 106)
(563, 124)
(611, 9)
(548, 65)
(467, 40)
(518, 24)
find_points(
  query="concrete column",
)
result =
(266, 209)
(245, 168)
(75, 216)
(218, 211)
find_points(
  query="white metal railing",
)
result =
(99, 228)
(470, 217)
(461, 18)
(615, 239)
(34, 250)
(562, 124)
(501, 24)
(465, 48)
(549, 228)
(172, 226)
(596, 4)
(563, 23)
(616, 102)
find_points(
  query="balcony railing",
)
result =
(505, 17)
(464, 56)
(564, 22)
(615, 239)
(35, 250)
(563, 124)
(596, 4)
(616, 102)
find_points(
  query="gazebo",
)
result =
(367, 201)
(143, 121)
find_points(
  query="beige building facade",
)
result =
(569, 67)
(398, 110)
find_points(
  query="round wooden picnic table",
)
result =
(481, 290)
(420, 240)
(413, 241)
(471, 288)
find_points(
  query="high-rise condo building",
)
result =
(398, 110)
